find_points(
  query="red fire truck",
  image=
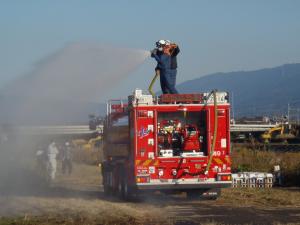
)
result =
(175, 142)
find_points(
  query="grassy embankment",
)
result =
(244, 159)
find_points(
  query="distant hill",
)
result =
(264, 92)
(259, 92)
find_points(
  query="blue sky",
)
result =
(214, 36)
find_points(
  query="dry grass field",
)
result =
(79, 199)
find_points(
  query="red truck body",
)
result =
(176, 142)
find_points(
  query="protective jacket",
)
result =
(163, 60)
(174, 58)
(52, 152)
(167, 74)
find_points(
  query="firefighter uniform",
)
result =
(167, 74)
(52, 152)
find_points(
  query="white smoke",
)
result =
(61, 86)
(63, 83)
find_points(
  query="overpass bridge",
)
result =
(250, 127)
(84, 129)
(56, 130)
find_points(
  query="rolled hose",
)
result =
(212, 149)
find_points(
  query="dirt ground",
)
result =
(79, 199)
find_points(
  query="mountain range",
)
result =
(264, 92)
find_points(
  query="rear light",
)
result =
(143, 179)
(221, 112)
(224, 177)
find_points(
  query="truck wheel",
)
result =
(106, 189)
(129, 193)
(126, 191)
(121, 188)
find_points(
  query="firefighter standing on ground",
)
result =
(67, 159)
(41, 159)
(52, 152)
(165, 55)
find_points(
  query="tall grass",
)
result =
(244, 159)
(90, 157)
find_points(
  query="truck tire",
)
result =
(106, 190)
(120, 190)
(128, 192)
(127, 195)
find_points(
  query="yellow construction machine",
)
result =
(280, 133)
(87, 145)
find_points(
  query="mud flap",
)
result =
(204, 194)
(211, 194)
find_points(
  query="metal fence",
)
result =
(252, 180)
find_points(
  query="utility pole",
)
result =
(297, 116)
(288, 113)
(232, 107)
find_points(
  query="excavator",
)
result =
(89, 144)
(283, 133)
(95, 139)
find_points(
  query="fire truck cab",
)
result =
(175, 142)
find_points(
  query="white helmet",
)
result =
(67, 143)
(168, 42)
(160, 43)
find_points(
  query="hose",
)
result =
(212, 149)
(157, 73)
